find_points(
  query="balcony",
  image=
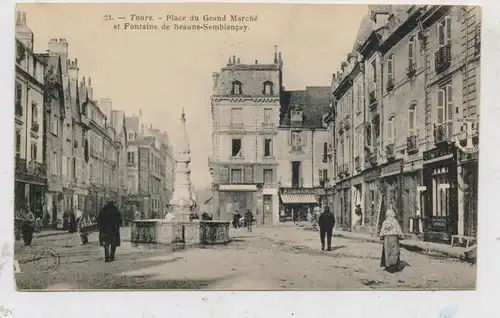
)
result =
(371, 156)
(411, 145)
(346, 169)
(268, 126)
(297, 148)
(297, 183)
(373, 100)
(21, 166)
(390, 151)
(411, 71)
(390, 84)
(31, 172)
(19, 109)
(443, 133)
(35, 127)
(325, 158)
(442, 58)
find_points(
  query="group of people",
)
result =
(247, 220)
(390, 234)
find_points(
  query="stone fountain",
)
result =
(177, 226)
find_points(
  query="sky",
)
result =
(162, 71)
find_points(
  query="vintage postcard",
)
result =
(246, 146)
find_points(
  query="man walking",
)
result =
(249, 220)
(326, 224)
(108, 222)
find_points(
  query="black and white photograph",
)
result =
(235, 146)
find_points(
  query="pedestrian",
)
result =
(72, 222)
(236, 220)
(326, 224)
(108, 222)
(28, 225)
(249, 220)
(390, 233)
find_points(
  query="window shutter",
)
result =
(410, 54)
(64, 166)
(304, 138)
(448, 30)
(440, 106)
(449, 102)
(440, 31)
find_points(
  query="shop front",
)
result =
(440, 181)
(357, 209)
(344, 205)
(30, 186)
(391, 178)
(372, 195)
(297, 203)
(413, 195)
(238, 198)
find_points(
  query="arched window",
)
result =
(391, 130)
(236, 88)
(412, 120)
(268, 88)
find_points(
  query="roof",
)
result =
(314, 101)
(365, 28)
(261, 67)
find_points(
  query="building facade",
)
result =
(302, 152)
(30, 166)
(420, 67)
(245, 119)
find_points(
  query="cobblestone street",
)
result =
(267, 258)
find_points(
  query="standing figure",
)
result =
(249, 220)
(391, 233)
(326, 224)
(108, 222)
(28, 225)
(236, 220)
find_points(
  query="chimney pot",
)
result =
(256, 62)
(18, 17)
(229, 62)
(24, 17)
(279, 56)
(76, 61)
(83, 81)
(90, 81)
(238, 60)
(234, 59)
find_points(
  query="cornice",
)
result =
(244, 99)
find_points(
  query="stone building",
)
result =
(302, 152)
(245, 119)
(30, 166)
(420, 118)
(118, 123)
(54, 113)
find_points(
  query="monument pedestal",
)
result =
(164, 232)
(214, 232)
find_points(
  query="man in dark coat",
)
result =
(326, 223)
(108, 222)
(249, 220)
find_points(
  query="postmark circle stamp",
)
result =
(47, 260)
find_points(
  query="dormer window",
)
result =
(268, 88)
(236, 88)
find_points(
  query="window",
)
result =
(34, 115)
(131, 158)
(236, 88)
(34, 151)
(412, 120)
(18, 143)
(55, 125)
(268, 176)
(19, 94)
(297, 141)
(374, 71)
(268, 147)
(477, 38)
(325, 151)
(268, 116)
(236, 118)
(360, 97)
(236, 175)
(130, 136)
(411, 54)
(347, 151)
(54, 163)
(444, 32)
(236, 148)
(444, 105)
(268, 88)
(390, 66)
(391, 130)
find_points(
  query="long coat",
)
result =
(326, 222)
(108, 222)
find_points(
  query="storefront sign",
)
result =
(412, 166)
(391, 169)
(297, 191)
(237, 187)
(372, 174)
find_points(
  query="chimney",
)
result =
(60, 47)
(23, 32)
(82, 84)
(215, 77)
(229, 62)
(238, 61)
(343, 66)
(234, 59)
(256, 62)
(19, 20)
(275, 54)
(90, 81)
(90, 90)
(24, 18)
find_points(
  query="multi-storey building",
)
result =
(421, 66)
(118, 124)
(245, 118)
(30, 167)
(54, 114)
(146, 176)
(301, 152)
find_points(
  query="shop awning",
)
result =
(298, 199)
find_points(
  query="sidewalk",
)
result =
(306, 237)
